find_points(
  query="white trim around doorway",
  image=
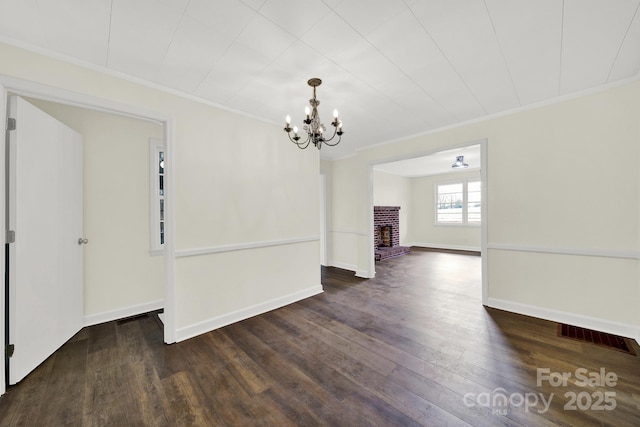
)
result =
(62, 96)
(368, 271)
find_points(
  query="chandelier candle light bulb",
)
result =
(313, 126)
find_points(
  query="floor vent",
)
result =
(614, 342)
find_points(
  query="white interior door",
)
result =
(46, 302)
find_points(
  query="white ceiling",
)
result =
(434, 164)
(393, 68)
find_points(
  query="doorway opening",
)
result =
(441, 207)
(42, 93)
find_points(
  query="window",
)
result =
(459, 203)
(474, 199)
(156, 199)
(449, 203)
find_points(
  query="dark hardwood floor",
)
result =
(414, 346)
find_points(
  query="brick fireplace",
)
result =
(386, 226)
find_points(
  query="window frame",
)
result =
(156, 146)
(465, 202)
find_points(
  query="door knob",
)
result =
(82, 241)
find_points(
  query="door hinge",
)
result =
(9, 350)
(11, 123)
(11, 236)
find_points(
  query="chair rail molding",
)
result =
(594, 252)
(243, 246)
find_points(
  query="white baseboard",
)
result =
(364, 274)
(239, 315)
(597, 324)
(445, 246)
(343, 265)
(120, 313)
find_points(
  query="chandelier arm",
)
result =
(326, 141)
(302, 145)
(335, 131)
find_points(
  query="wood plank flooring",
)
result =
(414, 346)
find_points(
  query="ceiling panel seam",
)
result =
(504, 59)
(615, 59)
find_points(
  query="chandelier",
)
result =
(313, 127)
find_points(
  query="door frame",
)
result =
(16, 86)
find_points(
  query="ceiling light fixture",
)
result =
(459, 163)
(312, 124)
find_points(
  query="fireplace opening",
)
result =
(386, 225)
(385, 237)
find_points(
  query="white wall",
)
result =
(563, 232)
(423, 230)
(394, 190)
(241, 190)
(343, 234)
(119, 272)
